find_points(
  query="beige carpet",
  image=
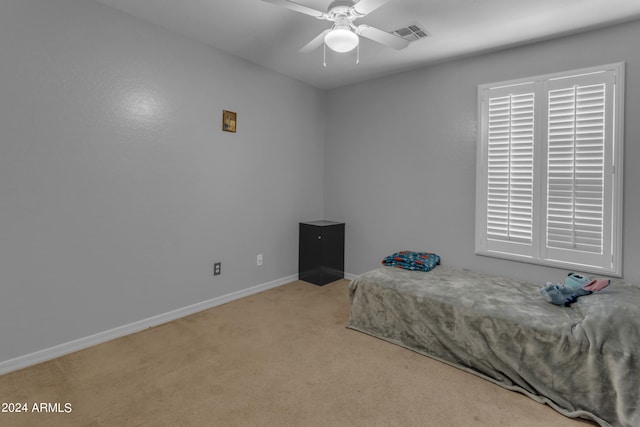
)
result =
(279, 358)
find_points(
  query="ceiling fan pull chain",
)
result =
(358, 54)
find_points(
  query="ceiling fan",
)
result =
(343, 36)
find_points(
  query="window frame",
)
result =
(537, 252)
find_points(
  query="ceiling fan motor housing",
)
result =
(342, 8)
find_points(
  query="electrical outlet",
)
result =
(217, 268)
(259, 260)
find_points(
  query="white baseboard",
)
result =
(101, 337)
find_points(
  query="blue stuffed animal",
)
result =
(569, 292)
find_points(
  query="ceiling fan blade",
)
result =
(315, 43)
(382, 37)
(364, 7)
(298, 8)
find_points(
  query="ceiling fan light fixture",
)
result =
(341, 40)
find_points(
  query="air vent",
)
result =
(412, 32)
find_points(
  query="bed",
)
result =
(582, 360)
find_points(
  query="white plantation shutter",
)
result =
(549, 186)
(578, 172)
(510, 137)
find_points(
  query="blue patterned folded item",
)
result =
(409, 260)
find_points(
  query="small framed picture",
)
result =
(228, 121)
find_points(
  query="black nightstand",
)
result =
(321, 252)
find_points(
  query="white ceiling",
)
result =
(271, 36)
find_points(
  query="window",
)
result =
(549, 171)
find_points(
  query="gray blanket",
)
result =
(583, 360)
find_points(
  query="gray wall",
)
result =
(401, 153)
(118, 188)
